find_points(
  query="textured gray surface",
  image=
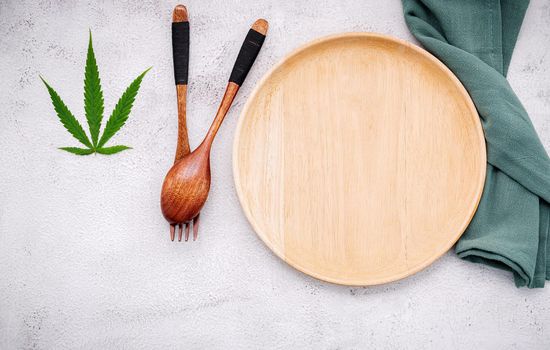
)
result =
(85, 260)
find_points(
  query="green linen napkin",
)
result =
(475, 39)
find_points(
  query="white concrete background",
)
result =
(85, 259)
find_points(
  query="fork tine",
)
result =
(172, 232)
(187, 231)
(180, 231)
(196, 227)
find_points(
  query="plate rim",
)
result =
(335, 37)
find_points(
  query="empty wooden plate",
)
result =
(359, 159)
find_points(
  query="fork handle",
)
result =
(180, 52)
(180, 49)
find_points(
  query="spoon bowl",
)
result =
(185, 188)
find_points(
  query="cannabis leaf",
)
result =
(94, 107)
(93, 96)
(79, 151)
(112, 149)
(122, 110)
(66, 117)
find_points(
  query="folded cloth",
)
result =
(475, 39)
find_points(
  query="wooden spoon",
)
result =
(185, 188)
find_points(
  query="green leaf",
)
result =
(93, 96)
(67, 118)
(122, 110)
(79, 151)
(112, 149)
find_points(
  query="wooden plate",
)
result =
(359, 159)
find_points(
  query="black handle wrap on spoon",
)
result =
(248, 53)
(180, 50)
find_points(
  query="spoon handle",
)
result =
(249, 51)
(180, 51)
(247, 55)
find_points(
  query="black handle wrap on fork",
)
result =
(180, 50)
(248, 53)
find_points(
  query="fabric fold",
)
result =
(476, 39)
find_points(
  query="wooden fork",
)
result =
(180, 52)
